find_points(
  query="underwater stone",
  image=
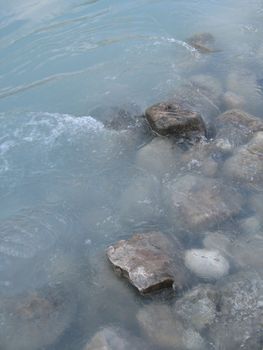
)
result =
(150, 261)
(203, 42)
(172, 118)
(110, 338)
(246, 164)
(198, 306)
(237, 127)
(165, 330)
(232, 100)
(196, 203)
(35, 320)
(206, 264)
(239, 323)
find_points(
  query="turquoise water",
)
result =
(65, 68)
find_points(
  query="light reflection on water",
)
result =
(63, 64)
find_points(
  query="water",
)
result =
(71, 186)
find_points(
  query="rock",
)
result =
(219, 241)
(232, 100)
(150, 261)
(246, 164)
(237, 127)
(201, 159)
(239, 325)
(35, 320)
(206, 264)
(159, 157)
(255, 204)
(198, 307)
(196, 203)
(140, 202)
(164, 330)
(110, 338)
(244, 83)
(203, 42)
(251, 226)
(173, 118)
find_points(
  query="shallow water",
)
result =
(70, 186)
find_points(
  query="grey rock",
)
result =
(237, 127)
(246, 164)
(163, 329)
(196, 203)
(150, 261)
(239, 325)
(232, 100)
(173, 118)
(198, 307)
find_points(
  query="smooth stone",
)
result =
(196, 203)
(255, 203)
(247, 251)
(35, 320)
(173, 118)
(246, 164)
(206, 264)
(150, 261)
(239, 323)
(251, 226)
(110, 338)
(232, 100)
(220, 241)
(198, 307)
(237, 127)
(159, 157)
(164, 330)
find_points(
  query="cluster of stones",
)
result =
(199, 137)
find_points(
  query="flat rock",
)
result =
(150, 261)
(203, 42)
(172, 118)
(196, 203)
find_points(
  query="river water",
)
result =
(71, 186)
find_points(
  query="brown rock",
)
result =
(203, 42)
(172, 118)
(150, 261)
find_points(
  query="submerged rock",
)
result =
(159, 157)
(196, 203)
(203, 42)
(173, 118)
(150, 261)
(246, 164)
(163, 329)
(232, 100)
(198, 307)
(239, 323)
(206, 264)
(237, 127)
(34, 321)
(110, 338)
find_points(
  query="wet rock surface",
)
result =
(163, 329)
(150, 261)
(239, 322)
(198, 203)
(173, 118)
